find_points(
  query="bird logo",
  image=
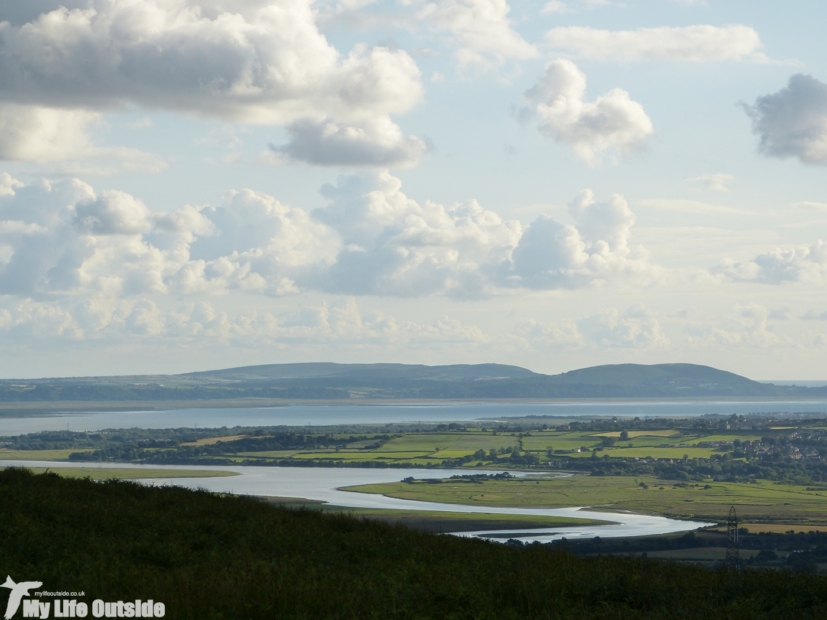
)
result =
(18, 591)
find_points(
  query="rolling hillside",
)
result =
(326, 381)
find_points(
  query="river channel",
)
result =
(325, 483)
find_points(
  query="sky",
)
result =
(197, 184)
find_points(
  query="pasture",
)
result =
(759, 503)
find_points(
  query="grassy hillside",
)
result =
(209, 557)
(323, 381)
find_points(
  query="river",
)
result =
(325, 483)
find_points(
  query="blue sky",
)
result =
(194, 184)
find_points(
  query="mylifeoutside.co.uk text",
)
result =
(60, 594)
(71, 608)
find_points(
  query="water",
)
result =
(322, 415)
(324, 484)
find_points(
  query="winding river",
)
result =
(325, 483)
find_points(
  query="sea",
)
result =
(437, 413)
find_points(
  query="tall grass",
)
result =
(209, 557)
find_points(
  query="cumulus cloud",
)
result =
(65, 239)
(376, 142)
(253, 61)
(779, 266)
(690, 43)
(482, 30)
(749, 327)
(47, 135)
(256, 61)
(395, 245)
(634, 327)
(322, 325)
(793, 121)
(595, 249)
(8, 184)
(612, 122)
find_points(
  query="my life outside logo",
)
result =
(66, 604)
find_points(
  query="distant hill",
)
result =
(675, 379)
(327, 381)
(365, 372)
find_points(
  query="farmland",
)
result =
(740, 447)
(774, 470)
(760, 503)
(113, 473)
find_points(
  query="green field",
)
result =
(37, 455)
(112, 473)
(774, 471)
(451, 447)
(764, 502)
(657, 453)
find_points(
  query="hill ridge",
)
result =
(328, 381)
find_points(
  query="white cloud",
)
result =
(718, 182)
(8, 184)
(114, 213)
(594, 250)
(394, 245)
(63, 239)
(259, 62)
(612, 122)
(782, 265)
(482, 30)
(635, 328)
(793, 121)
(45, 135)
(376, 142)
(691, 43)
(323, 325)
(749, 328)
(252, 62)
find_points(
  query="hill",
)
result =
(327, 381)
(205, 556)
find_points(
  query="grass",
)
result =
(112, 473)
(38, 455)
(764, 502)
(210, 441)
(466, 442)
(208, 558)
(636, 434)
(422, 448)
